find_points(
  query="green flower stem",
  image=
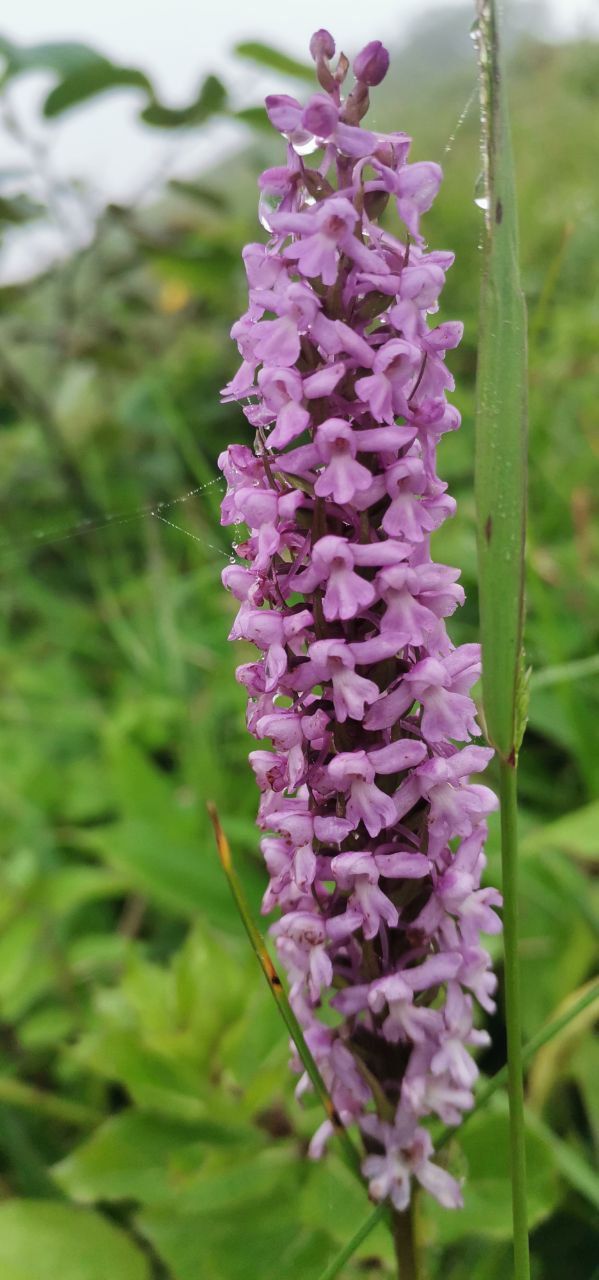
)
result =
(406, 1248)
(513, 1018)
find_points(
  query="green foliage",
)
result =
(484, 1161)
(275, 60)
(88, 81)
(211, 98)
(158, 1106)
(39, 1239)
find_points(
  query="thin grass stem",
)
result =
(513, 1017)
(336, 1266)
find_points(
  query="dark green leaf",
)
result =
(20, 208)
(216, 200)
(88, 82)
(275, 60)
(257, 117)
(211, 99)
(65, 57)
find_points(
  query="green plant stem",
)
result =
(406, 1249)
(509, 861)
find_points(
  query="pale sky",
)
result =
(177, 42)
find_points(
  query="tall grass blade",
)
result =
(350, 1153)
(334, 1268)
(500, 483)
(501, 411)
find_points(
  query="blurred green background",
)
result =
(148, 1129)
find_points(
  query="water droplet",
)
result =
(267, 205)
(475, 31)
(481, 195)
(304, 144)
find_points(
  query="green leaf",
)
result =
(163, 849)
(257, 117)
(216, 200)
(223, 1183)
(88, 82)
(171, 869)
(485, 1163)
(501, 416)
(258, 1239)
(577, 833)
(159, 1034)
(573, 1166)
(19, 209)
(275, 60)
(211, 99)
(131, 1156)
(331, 1200)
(64, 57)
(43, 1240)
(552, 1061)
(584, 1069)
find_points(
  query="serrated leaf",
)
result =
(274, 59)
(88, 82)
(45, 1240)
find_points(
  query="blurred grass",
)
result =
(125, 986)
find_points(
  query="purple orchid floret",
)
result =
(373, 831)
